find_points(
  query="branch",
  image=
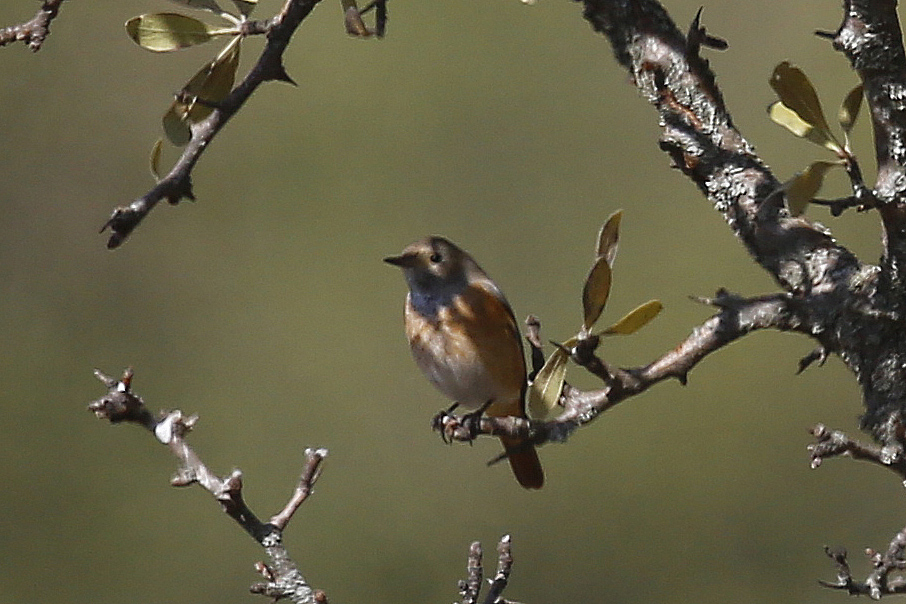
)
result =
(177, 184)
(737, 317)
(283, 578)
(870, 37)
(470, 588)
(833, 443)
(700, 137)
(878, 583)
(33, 32)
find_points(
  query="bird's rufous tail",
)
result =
(524, 462)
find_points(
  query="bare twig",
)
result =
(891, 456)
(833, 443)
(35, 31)
(504, 567)
(284, 580)
(879, 583)
(470, 588)
(177, 184)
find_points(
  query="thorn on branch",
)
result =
(819, 354)
(698, 36)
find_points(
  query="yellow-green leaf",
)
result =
(245, 6)
(155, 158)
(801, 189)
(596, 291)
(210, 5)
(211, 84)
(164, 32)
(175, 126)
(796, 91)
(798, 95)
(544, 392)
(609, 238)
(635, 319)
(789, 119)
(849, 110)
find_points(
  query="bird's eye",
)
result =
(435, 258)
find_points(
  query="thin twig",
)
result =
(35, 31)
(470, 587)
(833, 443)
(504, 567)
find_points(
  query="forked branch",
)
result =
(282, 575)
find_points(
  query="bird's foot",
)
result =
(465, 427)
(445, 423)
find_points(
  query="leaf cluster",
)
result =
(544, 391)
(799, 111)
(168, 32)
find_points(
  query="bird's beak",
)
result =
(403, 261)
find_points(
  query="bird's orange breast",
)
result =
(471, 350)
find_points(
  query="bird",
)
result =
(464, 338)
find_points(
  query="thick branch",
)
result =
(284, 580)
(857, 311)
(177, 184)
(33, 32)
(700, 137)
(871, 39)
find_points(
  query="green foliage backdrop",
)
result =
(264, 308)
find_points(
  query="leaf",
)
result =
(544, 392)
(175, 126)
(165, 32)
(801, 189)
(214, 82)
(849, 110)
(155, 158)
(210, 85)
(798, 95)
(609, 237)
(635, 319)
(789, 119)
(596, 291)
(796, 91)
(245, 6)
(210, 5)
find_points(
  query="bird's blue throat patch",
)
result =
(428, 298)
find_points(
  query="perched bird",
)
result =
(464, 338)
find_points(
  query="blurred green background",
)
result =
(265, 308)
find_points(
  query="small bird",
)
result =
(464, 338)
